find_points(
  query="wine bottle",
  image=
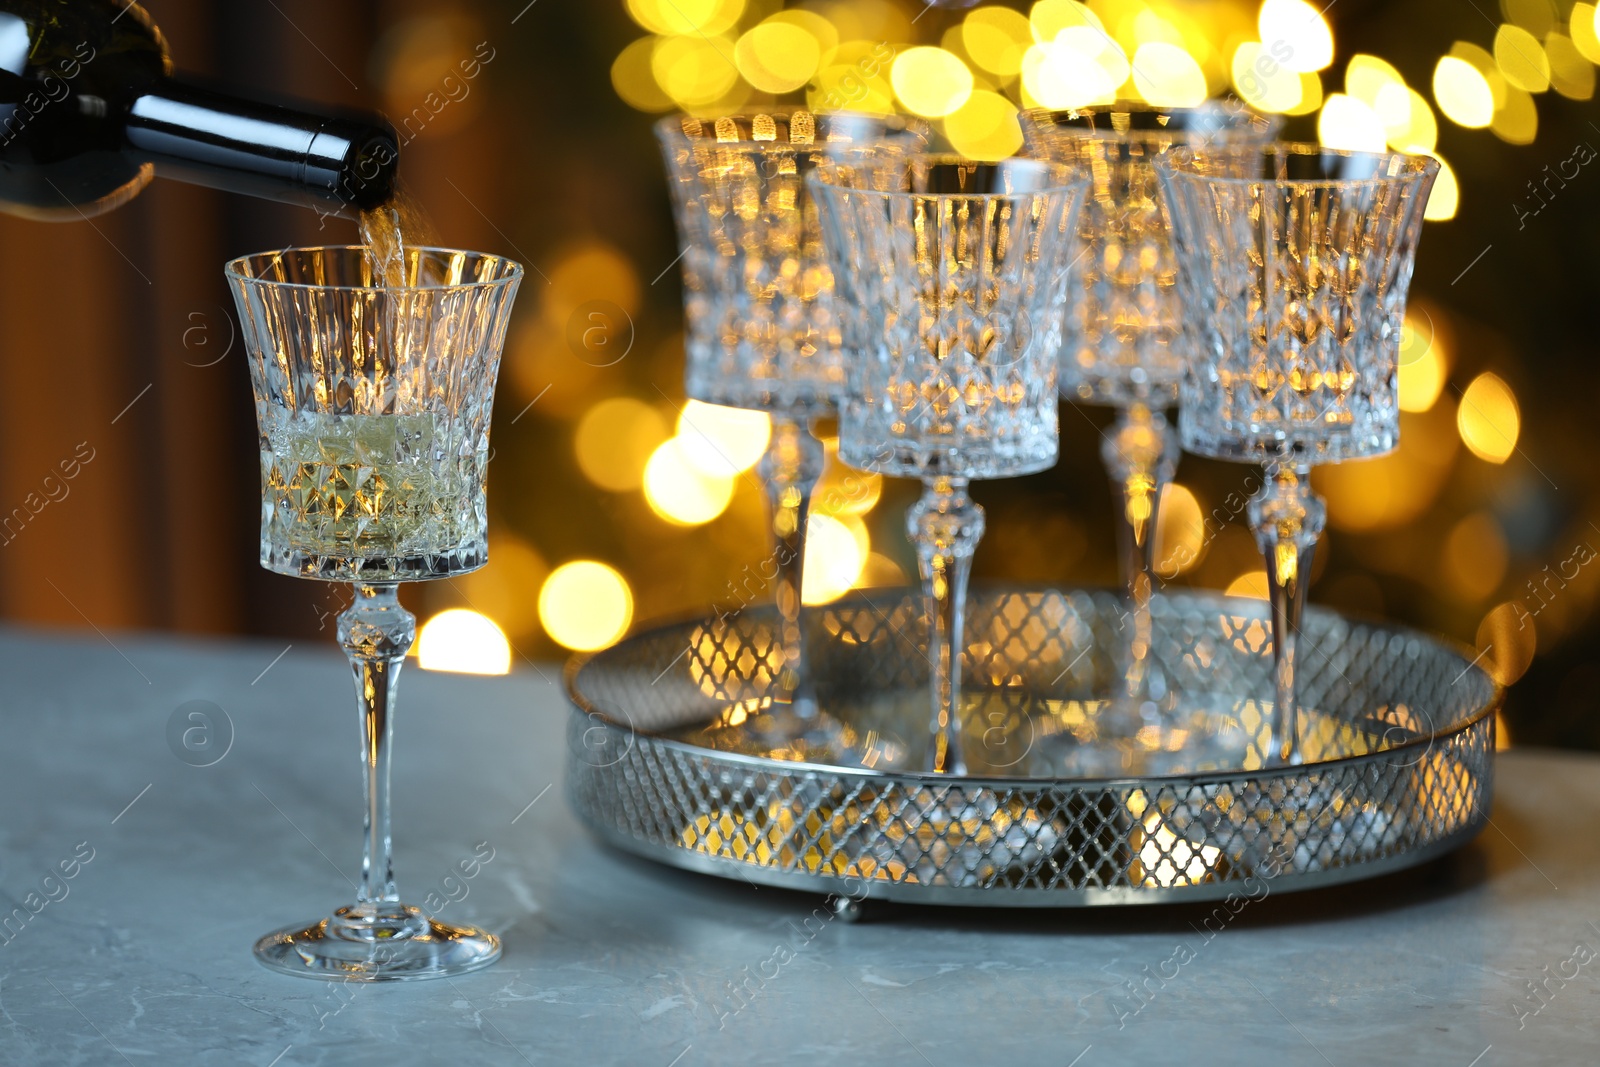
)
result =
(90, 113)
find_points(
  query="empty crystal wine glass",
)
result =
(1123, 344)
(1294, 261)
(763, 329)
(955, 275)
(373, 405)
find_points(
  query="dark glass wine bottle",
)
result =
(90, 112)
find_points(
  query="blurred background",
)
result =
(122, 355)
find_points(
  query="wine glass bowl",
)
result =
(1123, 339)
(1295, 261)
(1300, 259)
(373, 405)
(373, 408)
(956, 285)
(763, 330)
(955, 274)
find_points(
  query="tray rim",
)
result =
(828, 885)
(1420, 745)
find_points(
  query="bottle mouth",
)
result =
(356, 162)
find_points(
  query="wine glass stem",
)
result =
(1287, 518)
(376, 632)
(790, 471)
(945, 525)
(1141, 455)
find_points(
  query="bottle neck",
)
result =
(210, 138)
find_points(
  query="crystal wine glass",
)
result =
(1295, 261)
(956, 276)
(763, 330)
(373, 406)
(1123, 343)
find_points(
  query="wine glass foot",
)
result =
(1130, 737)
(401, 944)
(805, 732)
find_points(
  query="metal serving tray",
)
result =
(670, 754)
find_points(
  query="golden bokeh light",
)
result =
(506, 588)
(1300, 31)
(1538, 17)
(635, 81)
(1482, 60)
(1584, 29)
(419, 64)
(1423, 366)
(1210, 36)
(953, 40)
(1475, 558)
(861, 55)
(1147, 25)
(1310, 95)
(856, 78)
(930, 81)
(680, 492)
(1374, 494)
(1393, 106)
(866, 20)
(835, 556)
(686, 17)
(1392, 490)
(615, 439)
(585, 605)
(825, 33)
(860, 533)
(777, 56)
(1516, 121)
(1047, 18)
(996, 39)
(1168, 76)
(464, 642)
(1346, 122)
(880, 572)
(1263, 82)
(1463, 93)
(1056, 78)
(1521, 59)
(722, 441)
(1181, 540)
(1489, 419)
(694, 71)
(1506, 641)
(1418, 133)
(1081, 67)
(586, 271)
(1571, 74)
(1445, 198)
(541, 368)
(985, 127)
(1252, 583)
(844, 490)
(1092, 44)
(1366, 77)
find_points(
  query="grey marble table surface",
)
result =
(142, 954)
